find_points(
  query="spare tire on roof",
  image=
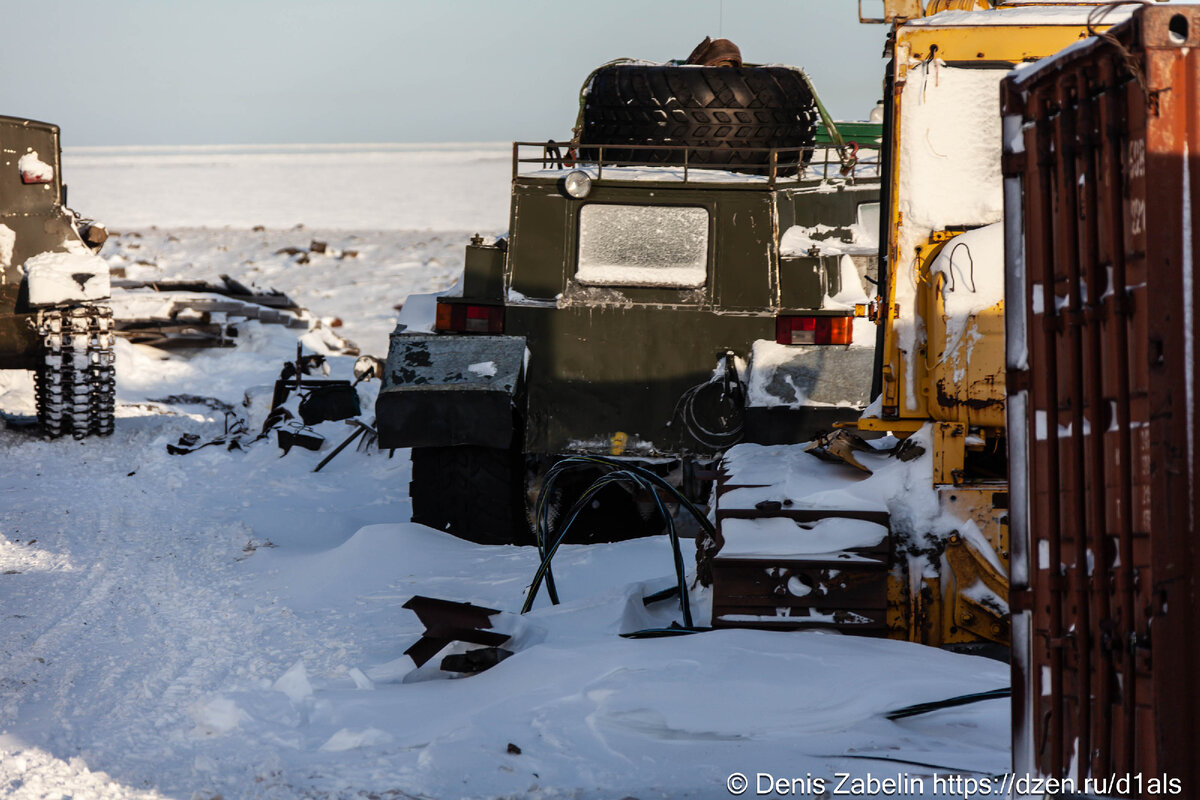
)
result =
(719, 113)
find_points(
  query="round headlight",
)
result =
(577, 184)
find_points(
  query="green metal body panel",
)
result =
(744, 230)
(18, 137)
(34, 212)
(544, 241)
(483, 271)
(607, 365)
(597, 371)
(865, 134)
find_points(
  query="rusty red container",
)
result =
(1101, 196)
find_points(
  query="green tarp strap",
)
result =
(826, 120)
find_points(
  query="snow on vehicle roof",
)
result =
(799, 240)
(1046, 14)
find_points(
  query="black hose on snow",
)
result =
(549, 541)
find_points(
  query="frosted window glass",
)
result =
(643, 246)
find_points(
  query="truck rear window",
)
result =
(643, 246)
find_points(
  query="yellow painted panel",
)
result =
(1013, 43)
(982, 43)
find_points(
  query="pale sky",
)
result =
(130, 72)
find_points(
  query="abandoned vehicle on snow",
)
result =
(663, 292)
(51, 284)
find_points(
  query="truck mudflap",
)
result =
(441, 390)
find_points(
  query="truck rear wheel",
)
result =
(75, 382)
(471, 492)
(730, 109)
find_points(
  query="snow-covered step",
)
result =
(782, 565)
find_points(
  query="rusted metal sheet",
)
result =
(446, 621)
(1100, 197)
(794, 594)
(196, 315)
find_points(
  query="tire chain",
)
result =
(76, 381)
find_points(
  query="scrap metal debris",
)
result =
(360, 428)
(213, 403)
(228, 287)
(235, 425)
(319, 248)
(206, 314)
(840, 445)
(294, 434)
(316, 400)
(446, 621)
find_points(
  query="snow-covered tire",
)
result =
(474, 493)
(75, 382)
(727, 108)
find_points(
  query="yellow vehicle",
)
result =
(936, 575)
(940, 357)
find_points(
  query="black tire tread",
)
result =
(471, 492)
(730, 109)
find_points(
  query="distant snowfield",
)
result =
(348, 186)
(361, 291)
(229, 624)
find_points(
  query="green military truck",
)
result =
(657, 298)
(52, 285)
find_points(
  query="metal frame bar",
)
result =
(792, 158)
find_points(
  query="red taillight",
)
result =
(28, 178)
(467, 318)
(814, 330)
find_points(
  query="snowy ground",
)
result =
(228, 623)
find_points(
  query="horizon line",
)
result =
(143, 148)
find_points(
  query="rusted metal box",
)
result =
(799, 568)
(1101, 177)
(844, 591)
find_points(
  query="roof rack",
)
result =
(688, 164)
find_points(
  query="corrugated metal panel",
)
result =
(1101, 178)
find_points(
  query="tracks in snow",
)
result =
(133, 609)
